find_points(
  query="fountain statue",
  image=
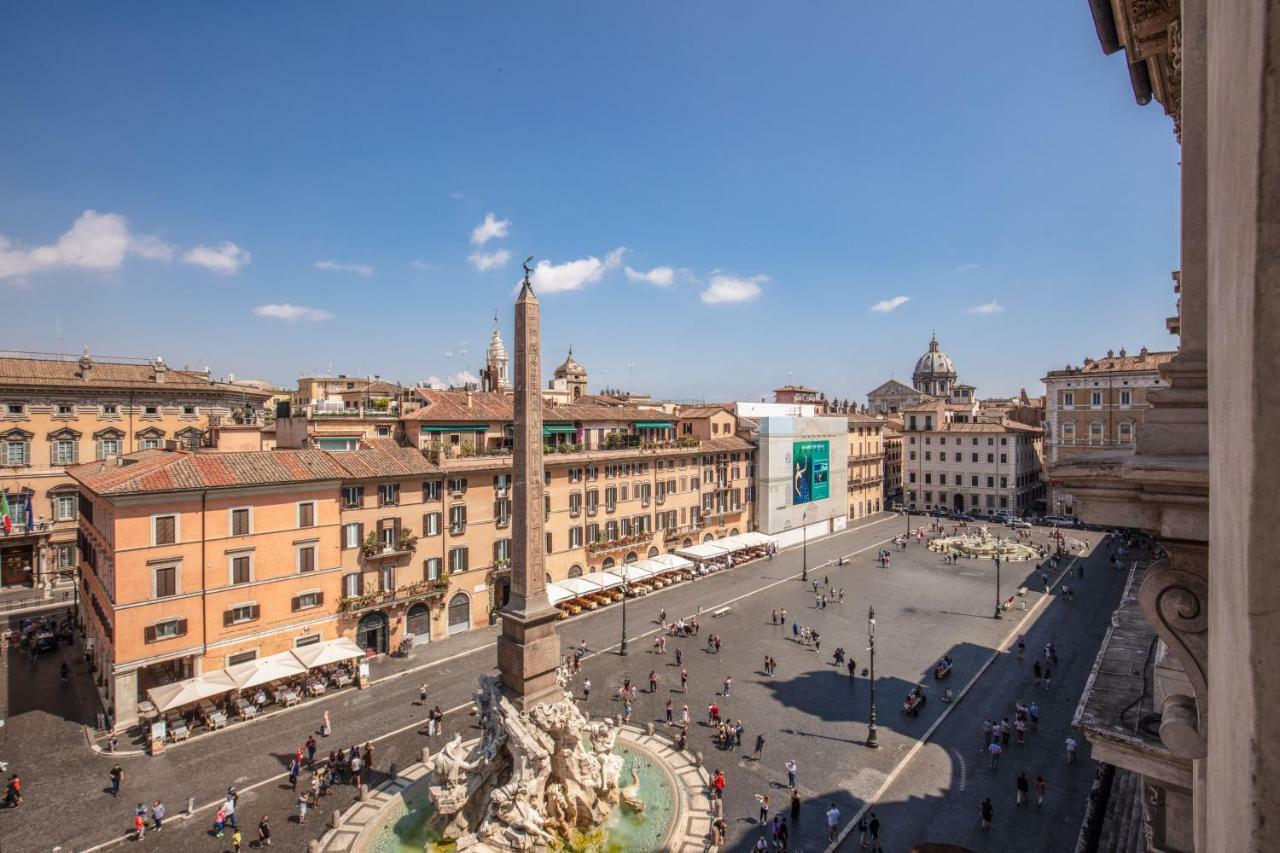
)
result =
(531, 773)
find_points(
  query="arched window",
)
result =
(686, 543)
(1068, 431)
(459, 612)
(1095, 432)
(1126, 432)
(575, 571)
(653, 552)
(733, 532)
(631, 557)
(608, 563)
(708, 538)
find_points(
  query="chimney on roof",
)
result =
(468, 396)
(160, 367)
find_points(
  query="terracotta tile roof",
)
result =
(702, 411)
(799, 388)
(383, 457)
(982, 427)
(733, 442)
(1140, 363)
(110, 375)
(153, 471)
(496, 407)
(859, 418)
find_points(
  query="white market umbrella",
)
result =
(669, 562)
(556, 593)
(166, 697)
(265, 670)
(323, 654)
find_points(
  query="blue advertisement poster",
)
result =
(810, 471)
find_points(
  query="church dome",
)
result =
(935, 364)
(571, 367)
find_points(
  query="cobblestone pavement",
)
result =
(809, 710)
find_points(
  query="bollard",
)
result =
(363, 793)
(394, 770)
(191, 806)
(648, 729)
(426, 755)
(697, 759)
(335, 819)
(313, 846)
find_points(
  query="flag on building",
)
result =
(29, 500)
(4, 512)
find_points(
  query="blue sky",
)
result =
(284, 188)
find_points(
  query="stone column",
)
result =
(1243, 774)
(529, 647)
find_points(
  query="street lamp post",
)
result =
(804, 548)
(999, 612)
(873, 741)
(622, 647)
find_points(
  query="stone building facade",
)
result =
(1202, 476)
(866, 465)
(60, 411)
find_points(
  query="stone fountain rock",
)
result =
(529, 777)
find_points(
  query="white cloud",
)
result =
(338, 266)
(489, 260)
(658, 276)
(456, 196)
(292, 313)
(463, 377)
(574, 275)
(991, 307)
(96, 241)
(225, 259)
(884, 306)
(968, 267)
(732, 288)
(491, 227)
(419, 265)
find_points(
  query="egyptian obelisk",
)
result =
(529, 648)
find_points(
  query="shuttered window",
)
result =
(166, 529)
(240, 522)
(308, 600)
(165, 630)
(307, 559)
(307, 514)
(166, 581)
(240, 614)
(241, 569)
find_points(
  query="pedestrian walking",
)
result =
(864, 830)
(679, 657)
(1034, 713)
(994, 751)
(1020, 728)
(157, 815)
(368, 755)
(684, 681)
(653, 681)
(1036, 671)
(326, 728)
(117, 776)
(1040, 789)
(586, 689)
(986, 810)
(853, 668)
(795, 806)
(112, 743)
(294, 769)
(717, 641)
(219, 822)
(13, 792)
(302, 809)
(236, 840)
(1022, 786)
(1022, 648)
(229, 810)
(759, 751)
(311, 750)
(1071, 750)
(1048, 679)
(874, 827)
(728, 686)
(264, 832)
(669, 712)
(833, 822)
(1004, 732)
(717, 784)
(139, 826)
(684, 717)
(791, 772)
(987, 728)
(422, 694)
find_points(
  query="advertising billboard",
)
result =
(810, 471)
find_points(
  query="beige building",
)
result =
(892, 438)
(57, 411)
(953, 461)
(866, 465)
(1097, 407)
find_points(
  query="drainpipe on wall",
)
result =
(204, 614)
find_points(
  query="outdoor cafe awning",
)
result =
(578, 586)
(557, 593)
(703, 551)
(562, 429)
(669, 563)
(603, 579)
(166, 697)
(750, 539)
(654, 424)
(455, 428)
(325, 653)
(265, 670)
(631, 572)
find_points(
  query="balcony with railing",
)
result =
(604, 546)
(420, 591)
(376, 549)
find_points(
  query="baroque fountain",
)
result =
(980, 543)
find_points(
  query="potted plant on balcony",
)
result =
(407, 541)
(371, 546)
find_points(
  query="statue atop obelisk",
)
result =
(529, 648)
